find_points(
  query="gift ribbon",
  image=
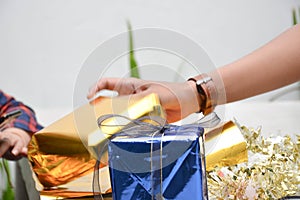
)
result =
(207, 121)
(156, 129)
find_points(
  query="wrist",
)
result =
(207, 93)
(194, 99)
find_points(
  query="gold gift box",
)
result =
(59, 154)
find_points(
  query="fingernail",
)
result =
(15, 152)
(25, 150)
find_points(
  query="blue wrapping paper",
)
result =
(157, 165)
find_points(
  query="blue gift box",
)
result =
(162, 165)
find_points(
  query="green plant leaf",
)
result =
(298, 12)
(133, 64)
(6, 169)
(295, 21)
(8, 194)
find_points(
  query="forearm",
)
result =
(272, 66)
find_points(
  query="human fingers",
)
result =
(104, 83)
(17, 146)
(14, 150)
(128, 86)
(17, 140)
(13, 141)
(4, 146)
(123, 86)
(24, 151)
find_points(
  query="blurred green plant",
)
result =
(7, 192)
(295, 16)
(134, 72)
(132, 60)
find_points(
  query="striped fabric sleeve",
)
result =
(26, 121)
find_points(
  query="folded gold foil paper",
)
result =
(225, 146)
(54, 169)
(59, 154)
(75, 128)
(81, 187)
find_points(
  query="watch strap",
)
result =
(207, 93)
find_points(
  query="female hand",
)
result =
(178, 99)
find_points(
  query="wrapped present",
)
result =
(59, 154)
(162, 164)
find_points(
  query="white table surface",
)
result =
(275, 118)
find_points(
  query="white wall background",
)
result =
(43, 44)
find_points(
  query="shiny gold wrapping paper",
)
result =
(80, 187)
(59, 153)
(225, 146)
(55, 169)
